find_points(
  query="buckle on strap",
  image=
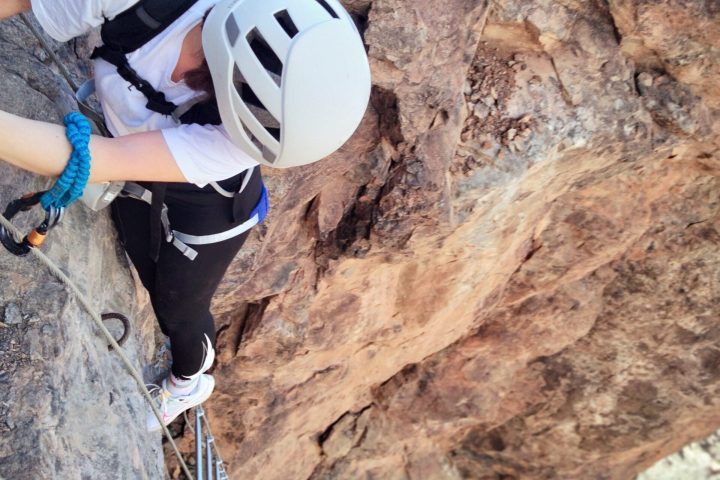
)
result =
(184, 249)
(138, 192)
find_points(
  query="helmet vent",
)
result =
(262, 115)
(283, 18)
(232, 29)
(252, 138)
(265, 54)
(327, 7)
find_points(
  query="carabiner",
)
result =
(37, 236)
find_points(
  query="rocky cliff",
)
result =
(511, 271)
(68, 409)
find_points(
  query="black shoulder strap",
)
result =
(140, 23)
(132, 29)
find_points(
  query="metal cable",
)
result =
(111, 340)
(64, 71)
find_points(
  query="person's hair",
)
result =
(199, 79)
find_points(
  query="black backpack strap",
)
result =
(140, 23)
(203, 113)
(156, 100)
(132, 29)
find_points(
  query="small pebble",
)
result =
(645, 79)
(519, 144)
(481, 110)
(13, 316)
(468, 87)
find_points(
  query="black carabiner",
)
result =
(36, 237)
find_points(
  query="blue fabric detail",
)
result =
(71, 183)
(262, 207)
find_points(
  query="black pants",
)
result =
(181, 289)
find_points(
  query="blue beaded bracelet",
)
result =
(71, 183)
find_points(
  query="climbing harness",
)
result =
(182, 240)
(122, 35)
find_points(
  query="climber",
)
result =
(195, 106)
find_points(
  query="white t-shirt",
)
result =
(204, 153)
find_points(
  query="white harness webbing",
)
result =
(182, 240)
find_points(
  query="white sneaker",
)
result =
(171, 406)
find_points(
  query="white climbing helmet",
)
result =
(291, 77)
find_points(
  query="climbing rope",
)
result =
(97, 318)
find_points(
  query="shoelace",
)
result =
(160, 394)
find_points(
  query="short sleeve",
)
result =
(67, 19)
(205, 153)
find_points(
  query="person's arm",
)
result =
(42, 148)
(8, 8)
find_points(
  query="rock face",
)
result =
(511, 271)
(697, 460)
(68, 409)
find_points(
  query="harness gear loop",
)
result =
(37, 236)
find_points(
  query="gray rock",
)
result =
(12, 315)
(55, 369)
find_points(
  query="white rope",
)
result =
(111, 340)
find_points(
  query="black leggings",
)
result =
(181, 289)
